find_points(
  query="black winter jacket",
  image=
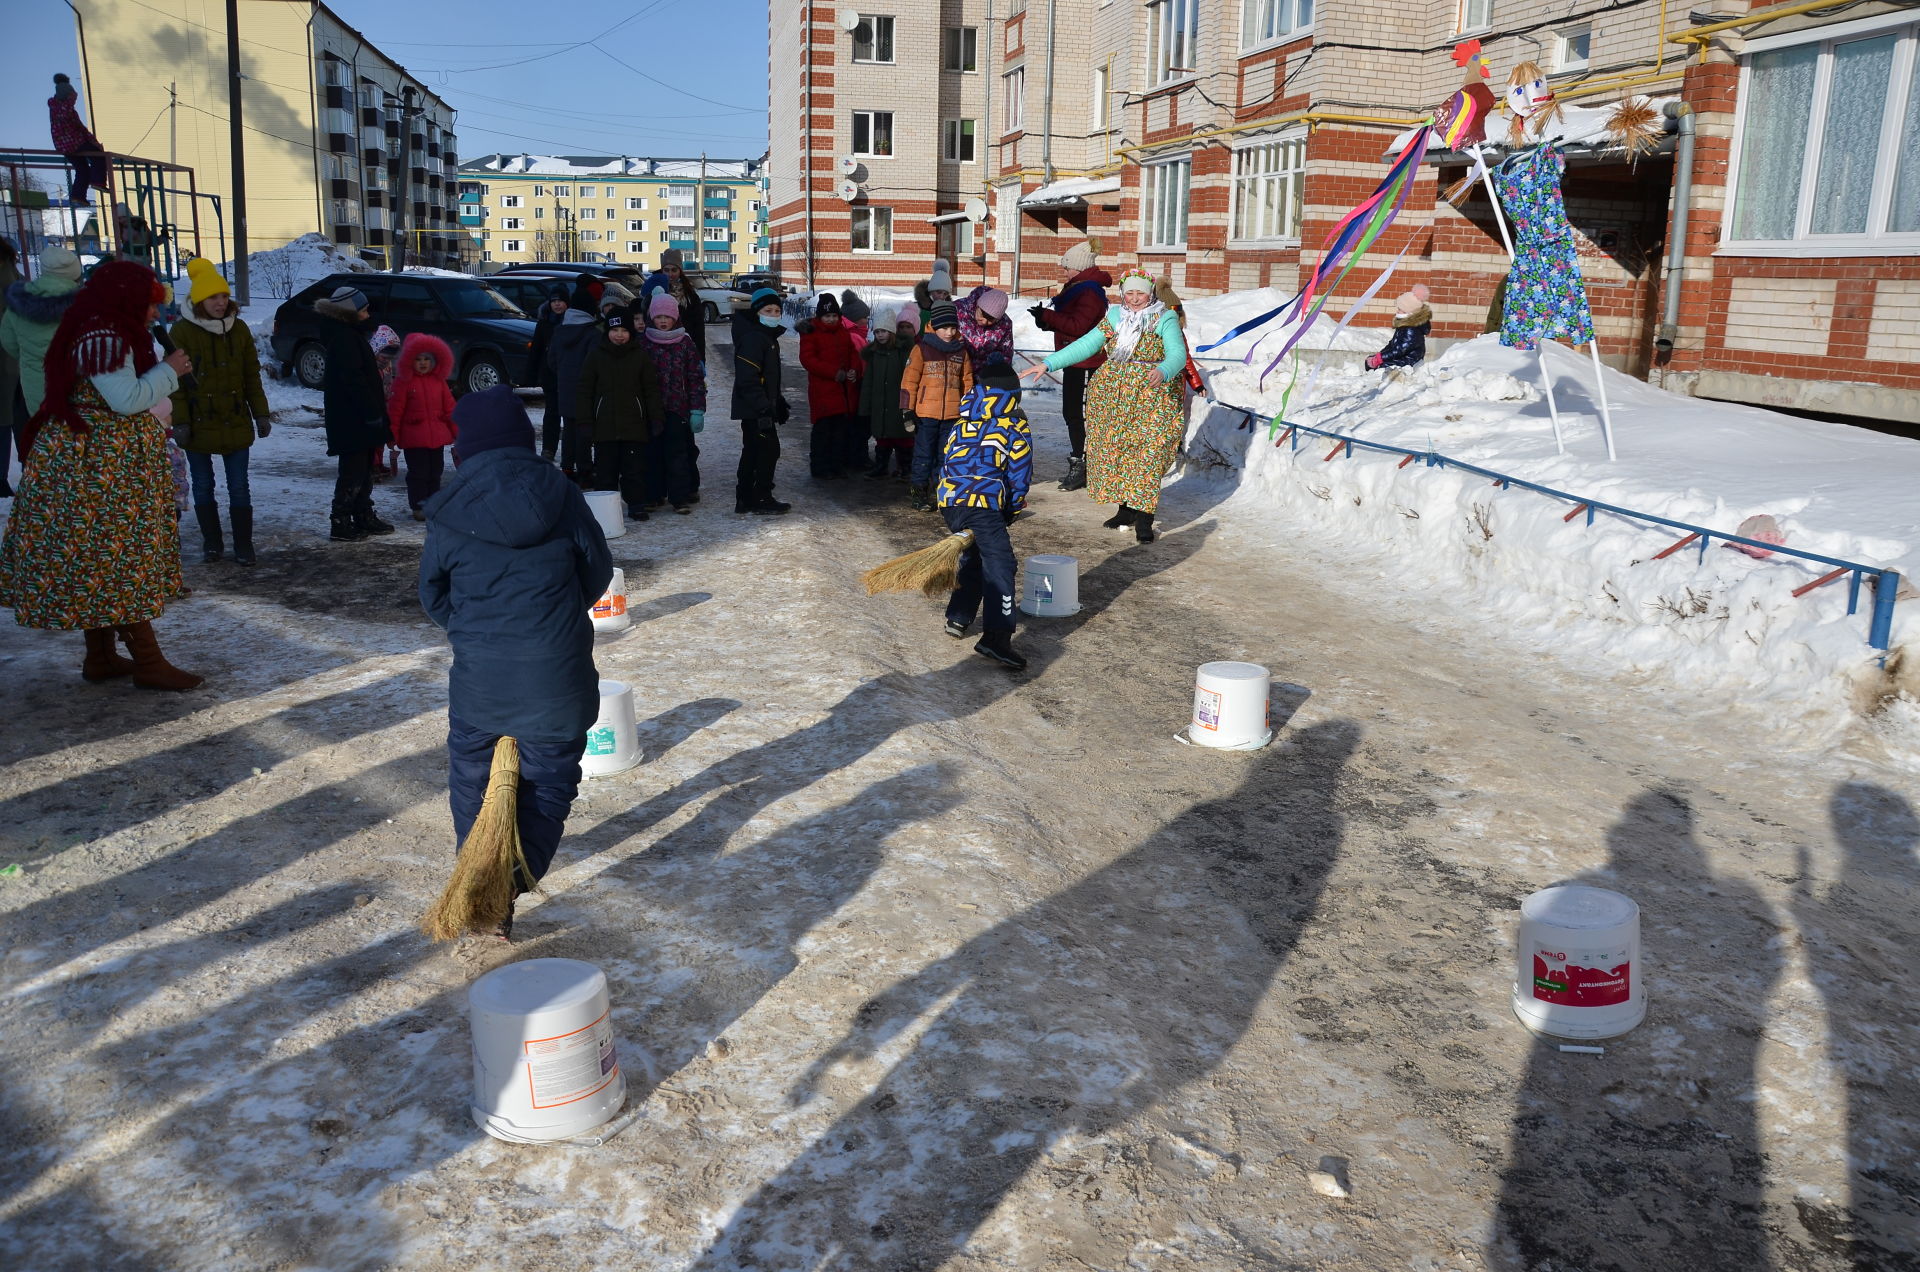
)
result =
(355, 401)
(756, 369)
(567, 352)
(620, 392)
(543, 324)
(513, 562)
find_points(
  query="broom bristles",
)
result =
(487, 871)
(932, 570)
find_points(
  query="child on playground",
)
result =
(985, 471)
(420, 408)
(939, 376)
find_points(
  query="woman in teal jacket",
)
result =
(1135, 415)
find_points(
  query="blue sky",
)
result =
(512, 95)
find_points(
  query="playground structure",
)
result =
(163, 228)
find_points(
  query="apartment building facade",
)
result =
(521, 208)
(339, 138)
(1218, 142)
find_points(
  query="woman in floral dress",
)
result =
(92, 543)
(1135, 418)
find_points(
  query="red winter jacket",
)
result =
(825, 350)
(420, 407)
(1078, 309)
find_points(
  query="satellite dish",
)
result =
(849, 21)
(849, 165)
(849, 191)
(976, 210)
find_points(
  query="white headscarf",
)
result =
(1134, 323)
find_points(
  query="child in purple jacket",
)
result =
(671, 474)
(986, 329)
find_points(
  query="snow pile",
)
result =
(1727, 623)
(280, 272)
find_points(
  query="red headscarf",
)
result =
(112, 306)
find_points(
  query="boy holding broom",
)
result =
(512, 563)
(984, 474)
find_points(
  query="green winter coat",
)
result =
(221, 409)
(880, 388)
(33, 314)
(620, 393)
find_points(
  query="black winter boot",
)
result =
(1076, 478)
(999, 647)
(345, 529)
(368, 522)
(242, 519)
(1124, 517)
(1143, 527)
(211, 546)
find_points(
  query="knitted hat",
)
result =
(1406, 303)
(762, 297)
(1136, 279)
(385, 339)
(826, 306)
(612, 293)
(941, 279)
(883, 319)
(944, 315)
(670, 257)
(617, 321)
(1078, 257)
(204, 281)
(584, 295)
(662, 303)
(854, 308)
(350, 296)
(492, 419)
(558, 292)
(993, 303)
(58, 262)
(63, 87)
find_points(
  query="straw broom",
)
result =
(932, 570)
(480, 894)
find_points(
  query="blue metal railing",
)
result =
(1886, 583)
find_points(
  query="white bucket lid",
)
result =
(612, 688)
(1050, 561)
(1577, 908)
(537, 985)
(1234, 670)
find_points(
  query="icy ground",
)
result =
(916, 964)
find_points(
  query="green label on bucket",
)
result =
(600, 741)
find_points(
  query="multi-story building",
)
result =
(339, 138)
(524, 208)
(1218, 142)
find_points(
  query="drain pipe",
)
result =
(806, 131)
(1669, 330)
(1046, 123)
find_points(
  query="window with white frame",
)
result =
(539, 192)
(1163, 202)
(512, 223)
(873, 38)
(512, 245)
(713, 234)
(1473, 15)
(1016, 97)
(1573, 49)
(562, 191)
(1267, 179)
(1829, 139)
(539, 214)
(587, 214)
(635, 225)
(959, 47)
(873, 229)
(715, 258)
(612, 192)
(1173, 30)
(636, 248)
(873, 133)
(1265, 21)
(509, 200)
(1101, 115)
(956, 140)
(589, 236)
(636, 205)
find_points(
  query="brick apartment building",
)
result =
(1218, 141)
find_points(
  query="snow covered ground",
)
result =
(916, 964)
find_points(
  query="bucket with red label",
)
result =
(1579, 973)
(610, 611)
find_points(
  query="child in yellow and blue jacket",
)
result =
(985, 471)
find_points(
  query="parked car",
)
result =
(490, 337)
(747, 284)
(626, 275)
(529, 291)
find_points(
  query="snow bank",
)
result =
(1725, 624)
(279, 272)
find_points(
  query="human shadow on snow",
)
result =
(1650, 1156)
(1070, 1018)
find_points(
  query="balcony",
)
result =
(719, 203)
(684, 245)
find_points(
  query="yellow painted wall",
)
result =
(652, 235)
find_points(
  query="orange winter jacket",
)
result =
(937, 378)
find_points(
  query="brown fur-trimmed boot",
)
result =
(103, 660)
(151, 670)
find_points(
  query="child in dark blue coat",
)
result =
(986, 469)
(513, 562)
(1412, 320)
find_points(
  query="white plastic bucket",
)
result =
(613, 743)
(1050, 586)
(544, 1066)
(610, 611)
(607, 509)
(1579, 973)
(1230, 706)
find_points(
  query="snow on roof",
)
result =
(611, 166)
(1584, 126)
(1069, 191)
